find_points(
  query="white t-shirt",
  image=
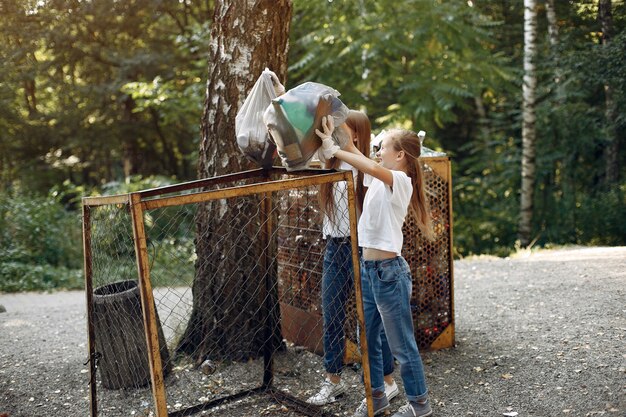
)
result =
(340, 226)
(384, 211)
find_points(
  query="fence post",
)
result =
(148, 306)
(268, 307)
(365, 362)
(451, 256)
(93, 399)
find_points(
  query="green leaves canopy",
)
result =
(74, 77)
(412, 63)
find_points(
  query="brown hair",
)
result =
(359, 123)
(419, 207)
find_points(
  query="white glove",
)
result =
(279, 89)
(329, 147)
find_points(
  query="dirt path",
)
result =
(543, 335)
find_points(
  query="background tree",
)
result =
(483, 125)
(553, 34)
(528, 127)
(247, 36)
(605, 15)
(412, 63)
(93, 92)
(104, 96)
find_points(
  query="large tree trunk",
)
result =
(611, 151)
(228, 290)
(528, 126)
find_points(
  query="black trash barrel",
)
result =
(120, 336)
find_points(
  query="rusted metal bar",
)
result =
(243, 190)
(148, 308)
(206, 182)
(91, 338)
(210, 404)
(365, 363)
(105, 200)
(300, 406)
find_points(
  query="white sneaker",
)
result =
(392, 390)
(328, 393)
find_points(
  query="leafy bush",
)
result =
(601, 218)
(135, 183)
(40, 245)
(16, 276)
(38, 230)
(172, 262)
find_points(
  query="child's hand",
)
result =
(328, 124)
(329, 147)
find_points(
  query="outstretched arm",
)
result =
(351, 154)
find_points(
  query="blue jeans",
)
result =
(337, 285)
(387, 288)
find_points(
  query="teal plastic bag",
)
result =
(292, 118)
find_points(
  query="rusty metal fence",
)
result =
(431, 264)
(205, 297)
(195, 297)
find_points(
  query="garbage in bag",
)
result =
(252, 136)
(293, 117)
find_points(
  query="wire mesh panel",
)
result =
(118, 336)
(301, 252)
(431, 262)
(221, 272)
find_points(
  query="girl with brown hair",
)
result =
(396, 188)
(337, 274)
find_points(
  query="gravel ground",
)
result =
(537, 335)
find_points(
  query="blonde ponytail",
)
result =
(419, 206)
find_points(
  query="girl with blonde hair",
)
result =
(396, 189)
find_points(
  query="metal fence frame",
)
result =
(142, 201)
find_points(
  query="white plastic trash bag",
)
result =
(252, 136)
(293, 117)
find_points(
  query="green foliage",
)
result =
(16, 277)
(454, 70)
(73, 78)
(41, 239)
(484, 196)
(106, 97)
(172, 260)
(135, 183)
(39, 231)
(40, 245)
(601, 217)
(571, 138)
(410, 63)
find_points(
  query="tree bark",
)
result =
(228, 289)
(528, 125)
(611, 151)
